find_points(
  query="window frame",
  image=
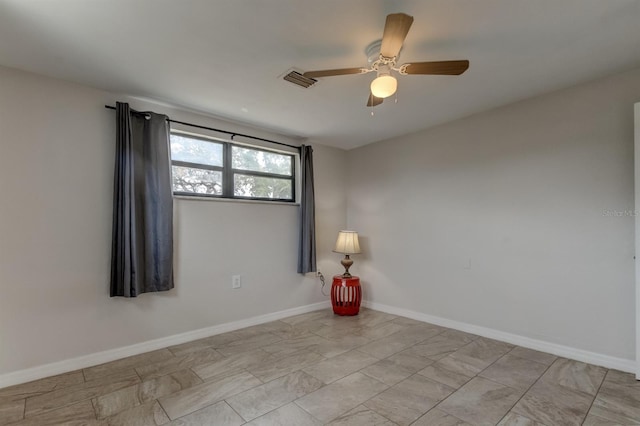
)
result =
(228, 172)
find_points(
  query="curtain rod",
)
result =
(216, 130)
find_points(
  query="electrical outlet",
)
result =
(236, 281)
(318, 274)
(467, 263)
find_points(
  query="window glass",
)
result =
(197, 181)
(203, 167)
(262, 187)
(192, 150)
(260, 161)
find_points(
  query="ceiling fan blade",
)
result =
(437, 68)
(329, 73)
(395, 31)
(374, 100)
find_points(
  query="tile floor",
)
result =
(317, 368)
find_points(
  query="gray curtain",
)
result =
(307, 242)
(142, 250)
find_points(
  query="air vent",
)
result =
(296, 78)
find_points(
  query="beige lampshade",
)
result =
(347, 243)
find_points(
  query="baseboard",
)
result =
(47, 370)
(607, 361)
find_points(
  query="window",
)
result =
(213, 168)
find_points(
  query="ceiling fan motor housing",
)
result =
(384, 69)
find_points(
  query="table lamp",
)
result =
(347, 244)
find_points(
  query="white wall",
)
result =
(56, 179)
(500, 219)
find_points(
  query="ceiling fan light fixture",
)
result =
(382, 56)
(384, 86)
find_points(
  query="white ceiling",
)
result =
(227, 57)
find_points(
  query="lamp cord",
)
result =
(319, 275)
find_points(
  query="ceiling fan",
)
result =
(385, 84)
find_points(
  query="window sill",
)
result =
(231, 200)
